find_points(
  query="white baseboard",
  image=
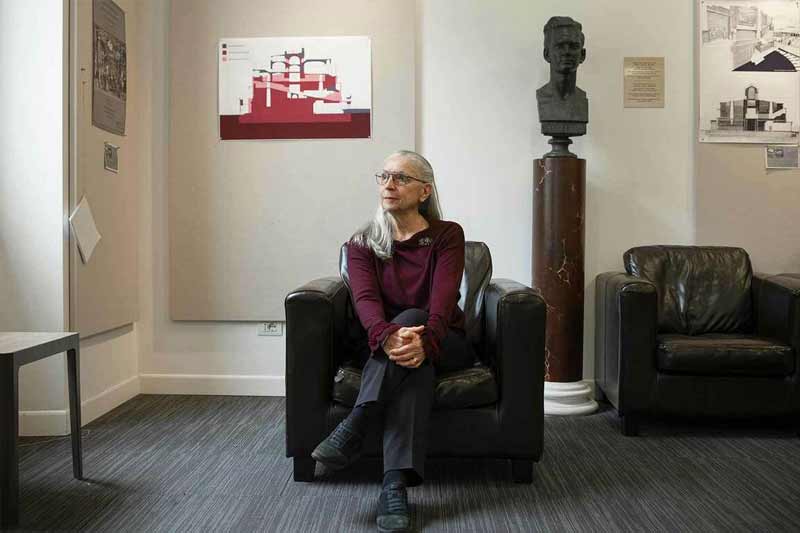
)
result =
(43, 423)
(109, 399)
(56, 423)
(224, 385)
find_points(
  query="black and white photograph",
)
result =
(749, 56)
(781, 156)
(111, 157)
(110, 72)
(741, 111)
(751, 36)
(110, 67)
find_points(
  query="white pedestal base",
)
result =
(568, 399)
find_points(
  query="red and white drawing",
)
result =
(295, 88)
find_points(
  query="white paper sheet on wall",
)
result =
(83, 228)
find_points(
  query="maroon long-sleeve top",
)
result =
(424, 272)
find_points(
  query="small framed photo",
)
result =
(782, 156)
(111, 157)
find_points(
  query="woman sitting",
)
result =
(405, 269)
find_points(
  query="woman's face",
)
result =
(397, 198)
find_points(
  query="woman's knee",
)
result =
(411, 317)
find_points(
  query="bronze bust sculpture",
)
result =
(563, 107)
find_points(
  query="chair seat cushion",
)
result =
(471, 387)
(722, 354)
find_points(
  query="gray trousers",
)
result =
(405, 396)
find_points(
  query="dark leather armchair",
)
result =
(494, 409)
(690, 330)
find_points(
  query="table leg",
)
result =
(74, 378)
(9, 431)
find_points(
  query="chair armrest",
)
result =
(626, 315)
(315, 314)
(515, 333)
(778, 308)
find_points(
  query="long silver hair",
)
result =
(378, 233)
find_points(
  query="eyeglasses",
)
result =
(399, 178)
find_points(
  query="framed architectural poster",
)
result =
(294, 88)
(749, 59)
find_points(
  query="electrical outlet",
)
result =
(270, 329)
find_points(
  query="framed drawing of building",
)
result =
(749, 62)
(295, 88)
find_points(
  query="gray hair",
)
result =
(378, 233)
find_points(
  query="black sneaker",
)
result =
(342, 447)
(393, 513)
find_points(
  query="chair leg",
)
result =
(304, 468)
(630, 425)
(522, 470)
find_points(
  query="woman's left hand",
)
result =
(411, 354)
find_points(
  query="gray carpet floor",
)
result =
(214, 463)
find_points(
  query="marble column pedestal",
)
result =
(559, 206)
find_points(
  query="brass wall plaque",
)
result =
(644, 81)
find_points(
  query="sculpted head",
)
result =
(563, 45)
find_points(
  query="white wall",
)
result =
(479, 65)
(229, 357)
(104, 291)
(32, 189)
(34, 195)
(186, 357)
(110, 360)
(249, 221)
(109, 371)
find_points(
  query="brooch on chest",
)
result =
(425, 241)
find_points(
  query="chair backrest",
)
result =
(701, 289)
(476, 277)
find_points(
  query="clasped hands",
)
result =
(404, 346)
